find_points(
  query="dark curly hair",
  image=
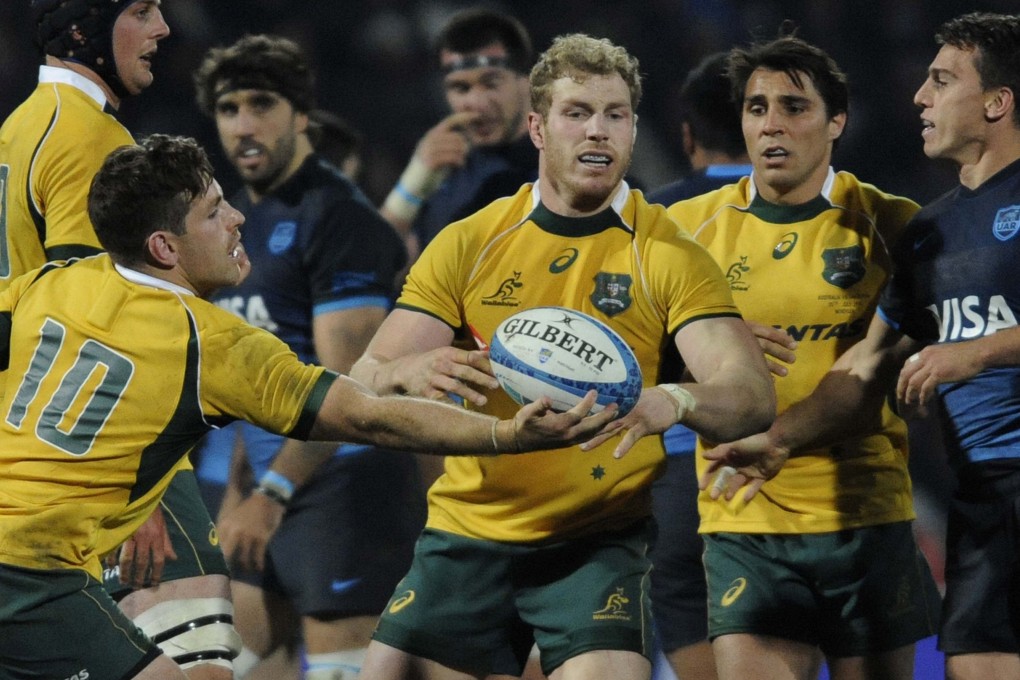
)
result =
(145, 188)
(471, 30)
(256, 62)
(793, 56)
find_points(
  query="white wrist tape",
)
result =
(415, 185)
(682, 399)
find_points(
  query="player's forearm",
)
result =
(841, 407)
(846, 404)
(416, 184)
(727, 411)
(414, 425)
(297, 460)
(998, 349)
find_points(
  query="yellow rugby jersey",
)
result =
(50, 149)
(113, 378)
(631, 268)
(814, 270)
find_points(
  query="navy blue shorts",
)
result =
(347, 537)
(981, 611)
(679, 593)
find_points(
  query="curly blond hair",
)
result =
(579, 56)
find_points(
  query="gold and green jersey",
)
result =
(113, 377)
(51, 147)
(628, 266)
(814, 270)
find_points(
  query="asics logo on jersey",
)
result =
(563, 262)
(83, 674)
(1007, 223)
(971, 317)
(401, 602)
(785, 246)
(735, 590)
(615, 608)
(505, 294)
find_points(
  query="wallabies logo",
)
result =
(843, 266)
(612, 293)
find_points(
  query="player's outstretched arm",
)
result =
(732, 395)
(846, 403)
(350, 412)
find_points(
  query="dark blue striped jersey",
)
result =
(316, 245)
(956, 280)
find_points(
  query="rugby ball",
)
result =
(561, 353)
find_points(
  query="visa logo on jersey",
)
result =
(971, 317)
(252, 309)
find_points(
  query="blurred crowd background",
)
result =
(374, 68)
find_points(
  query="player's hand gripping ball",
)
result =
(561, 353)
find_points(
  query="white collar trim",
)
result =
(65, 76)
(138, 277)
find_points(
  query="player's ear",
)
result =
(999, 103)
(161, 249)
(300, 122)
(535, 129)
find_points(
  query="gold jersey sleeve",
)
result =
(629, 267)
(51, 147)
(815, 271)
(111, 383)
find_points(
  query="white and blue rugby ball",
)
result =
(561, 353)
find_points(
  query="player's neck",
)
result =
(996, 155)
(84, 71)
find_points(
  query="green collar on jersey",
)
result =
(787, 214)
(575, 226)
